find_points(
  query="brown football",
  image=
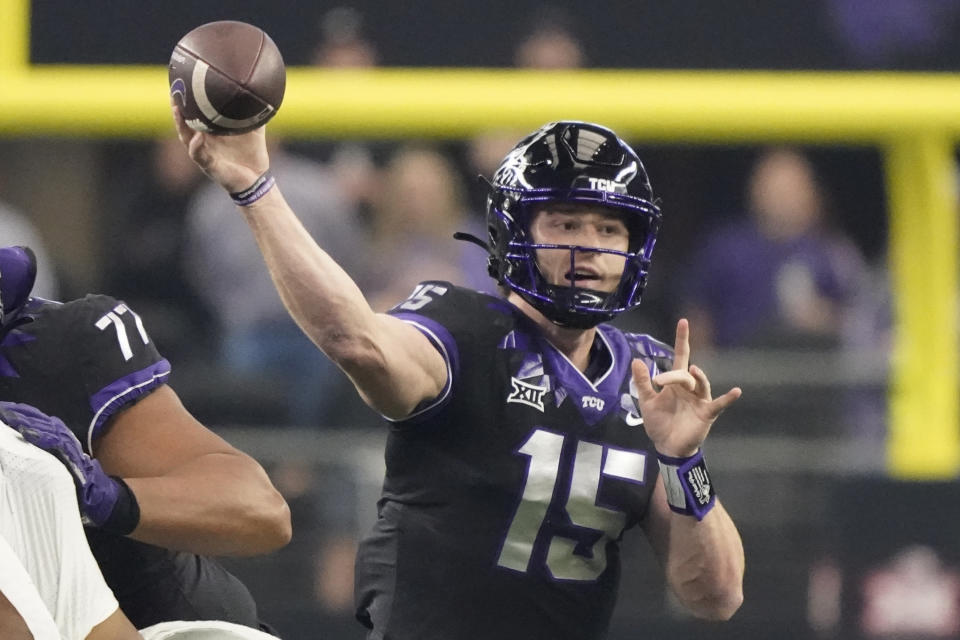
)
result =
(227, 77)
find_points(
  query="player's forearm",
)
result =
(217, 504)
(706, 564)
(391, 365)
(320, 296)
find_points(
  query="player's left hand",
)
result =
(97, 493)
(679, 413)
(233, 162)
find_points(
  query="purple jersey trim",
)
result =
(647, 346)
(121, 392)
(679, 462)
(593, 400)
(443, 342)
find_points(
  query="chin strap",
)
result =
(491, 259)
(469, 237)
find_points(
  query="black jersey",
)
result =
(84, 361)
(505, 499)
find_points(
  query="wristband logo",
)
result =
(699, 483)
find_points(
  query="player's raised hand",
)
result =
(233, 162)
(679, 411)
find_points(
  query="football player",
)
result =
(526, 434)
(50, 585)
(158, 491)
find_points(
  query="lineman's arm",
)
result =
(703, 559)
(116, 627)
(393, 366)
(12, 626)
(195, 491)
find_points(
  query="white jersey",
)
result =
(17, 585)
(46, 568)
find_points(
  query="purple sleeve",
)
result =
(123, 392)
(443, 342)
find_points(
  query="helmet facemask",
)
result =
(573, 305)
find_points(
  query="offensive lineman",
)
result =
(526, 436)
(150, 477)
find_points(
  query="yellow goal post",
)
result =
(914, 119)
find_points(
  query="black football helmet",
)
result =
(570, 162)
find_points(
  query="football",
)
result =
(227, 77)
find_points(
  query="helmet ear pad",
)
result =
(580, 163)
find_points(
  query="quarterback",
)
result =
(526, 434)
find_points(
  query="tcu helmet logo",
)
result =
(612, 186)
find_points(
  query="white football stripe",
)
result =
(198, 84)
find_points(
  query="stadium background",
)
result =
(698, 86)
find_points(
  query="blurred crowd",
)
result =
(771, 266)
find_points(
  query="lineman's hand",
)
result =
(233, 162)
(678, 416)
(97, 493)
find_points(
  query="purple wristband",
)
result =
(687, 482)
(254, 192)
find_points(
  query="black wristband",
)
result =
(689, 488)
(254, 192)
(126, 512)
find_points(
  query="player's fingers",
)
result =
(724, 401)
(183, 131)
(199, 152)
(703, 382)
(641, 378)
(681, 347)
(678, 378)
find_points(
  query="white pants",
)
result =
(202, 630)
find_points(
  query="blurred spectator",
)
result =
(550, 43)
(257, 338)
(144, 251)
(420, 207)
(780, 275)
(892, 34)
(344, 44)
(867, 337)
(16, 229)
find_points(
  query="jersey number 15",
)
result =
(544, 449)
